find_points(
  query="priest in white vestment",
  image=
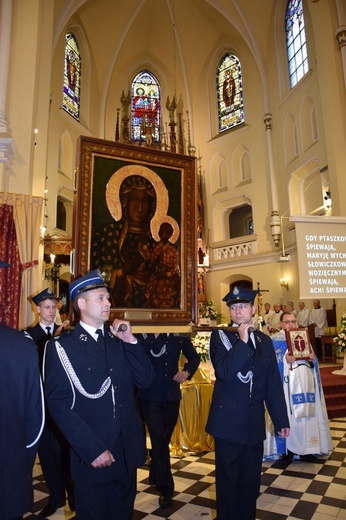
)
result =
(306, 408)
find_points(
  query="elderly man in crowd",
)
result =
(303, 315)
(318, 317)
(274, 320)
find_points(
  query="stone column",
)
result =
(5, 43)
(341, 37)
(275, 223)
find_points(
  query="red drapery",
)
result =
(10, 278)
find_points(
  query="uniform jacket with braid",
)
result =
(92, 399)
(246, 380)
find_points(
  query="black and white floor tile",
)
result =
(307, 491)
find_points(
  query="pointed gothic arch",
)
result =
(145, 107)
(229, 87)
(72, 75)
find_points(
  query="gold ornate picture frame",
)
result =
(153, 279)
(298, 343)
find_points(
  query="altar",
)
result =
(189, 435)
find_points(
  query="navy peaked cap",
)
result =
(4, 264)
(46, 294)
(239, 295)
(88, 282)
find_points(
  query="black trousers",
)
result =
(160, 418)
(54, 455)
(113, 500)
(105, 493)
(238, 478)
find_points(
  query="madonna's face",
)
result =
(139, 207)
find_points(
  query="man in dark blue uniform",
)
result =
(247, 378)
(53, 450)
(21, 420)
(45, 328)
(159, 404)
(91, 375)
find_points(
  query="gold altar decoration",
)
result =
(189, 435)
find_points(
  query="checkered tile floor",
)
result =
(301, 491)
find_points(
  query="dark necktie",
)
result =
(250, 343)
(49, 334)
(100, 338)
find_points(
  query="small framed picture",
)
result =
(298, 343)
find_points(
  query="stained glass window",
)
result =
(145, 108)
(71, 91)
(296, 41)
(229, 93)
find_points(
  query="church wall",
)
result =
(267, 274)
(249, 137)
(333, 106)
(109, 64)
(317, 153)
(60, 121)
(288, 103)
(252, 138)
(28, 95)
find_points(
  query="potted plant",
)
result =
(210, 313)
(201, 344)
